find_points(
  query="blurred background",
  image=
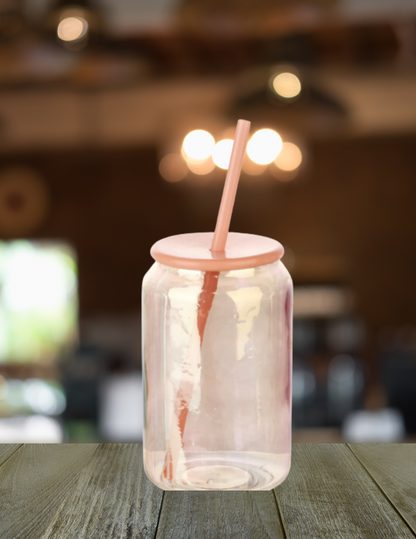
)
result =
(115, 124)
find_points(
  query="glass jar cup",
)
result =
(217, 368)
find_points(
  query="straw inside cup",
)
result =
(206, 297)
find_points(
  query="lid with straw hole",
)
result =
(220, 250)
(193, 251)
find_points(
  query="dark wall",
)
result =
(357, 201)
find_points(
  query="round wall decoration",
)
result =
(24, 201)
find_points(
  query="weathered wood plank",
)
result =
(7, 450)
(393, 467)
(89, 491)
(328, 494)
(214, 515)
(33, 482)
(78, 491)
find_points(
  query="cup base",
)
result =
(217, 477)
(225, 470)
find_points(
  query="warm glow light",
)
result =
(289, 158)
(222, 153)
(229, 132)
(287, 85)
(251, 168)
(72, 28)
(198, 144)
(202, 167)
(283, 175)
(173, 168)
(264, 146)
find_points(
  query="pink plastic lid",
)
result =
(193, 251)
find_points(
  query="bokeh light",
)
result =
(264, 146)
(43, 397)
(198, 144)
(72, 28)
(222, 153)
(283, 175)
(289, 158)
(202, 167)
(173, 168)
(228, 133)
(251, 168)
(287, 85)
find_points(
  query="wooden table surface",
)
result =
(77, 491)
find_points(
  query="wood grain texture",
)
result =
(214, 515)
(328, 494)
(33, 483)
(77, 491)
(393, 467)
(91, 491)
(7, 450)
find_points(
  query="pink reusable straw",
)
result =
(207, 295)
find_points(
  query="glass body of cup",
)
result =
(217, 366)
